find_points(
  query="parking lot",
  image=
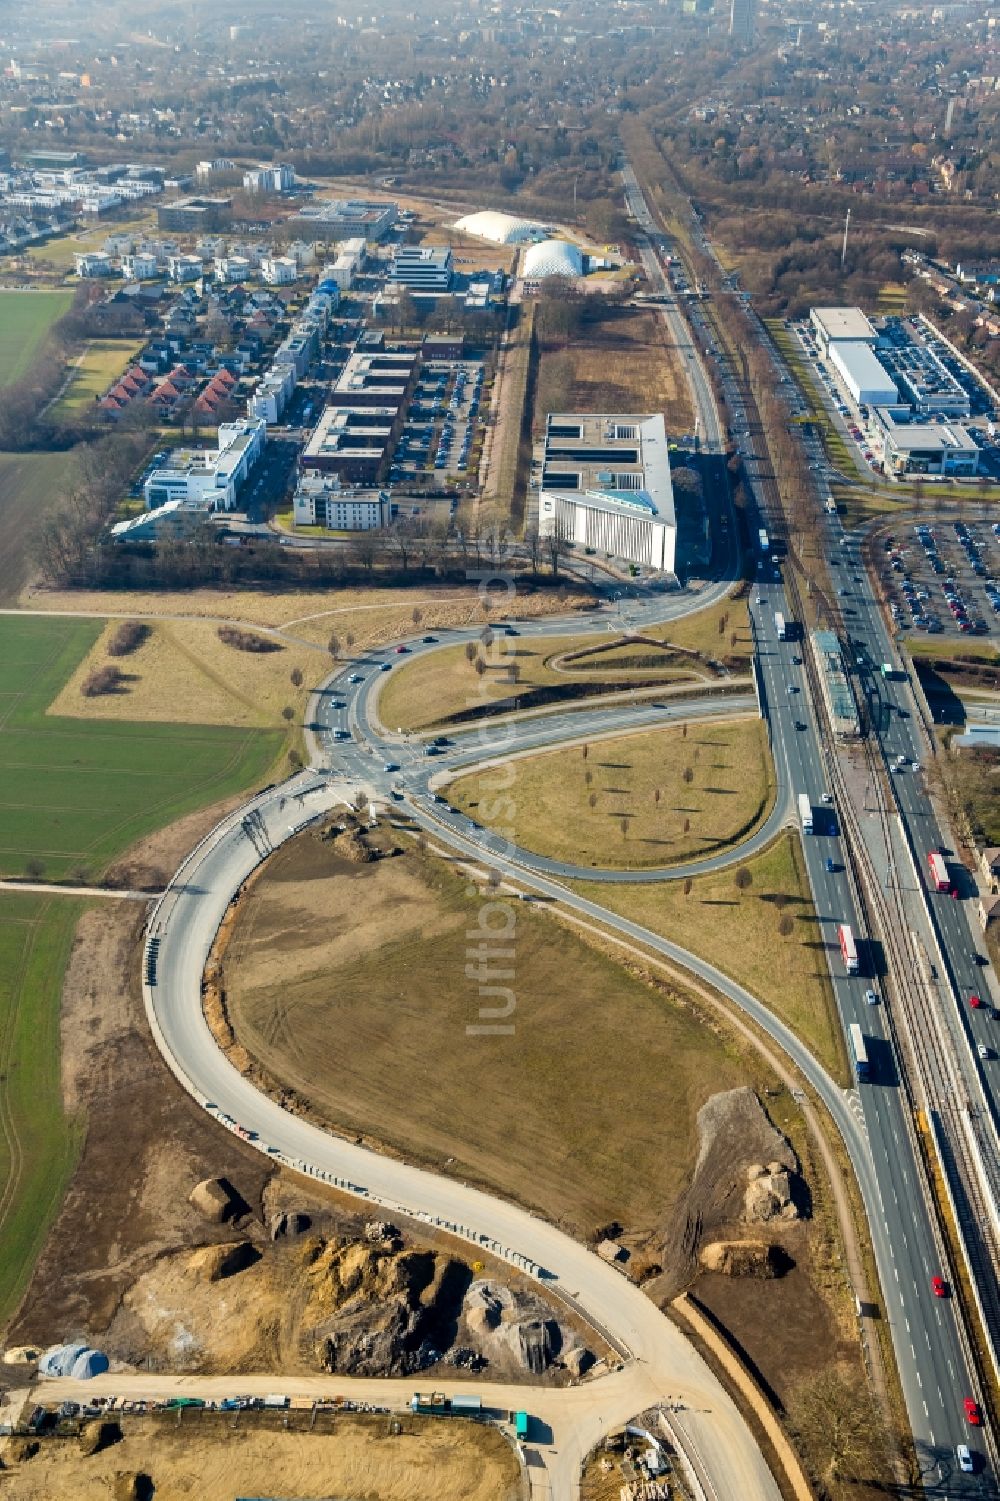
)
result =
(440, 430)
(941, 577)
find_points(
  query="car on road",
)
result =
(975, 1002)
(826, 797)
(391, 766)
(800, 724)
(871, 997)
(385, 667)
(939, 1287)
(984, 1050)
(964, 1457)
(355, 677)
(430, 640)
(792, 688)
(972, 1413)
(401, 649)
(831, 866)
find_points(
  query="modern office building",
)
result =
(344, 218)
(378, 379)
(423, 269)
(321, 500)
(353, 442)
(207, 480)
(194, 215)
(924, 381)
(273, 177)
(605, 485)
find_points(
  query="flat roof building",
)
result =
(925, 381)
(341, 218)
(353, 442)
(863, 375)
(605, 484)
(321, 500)
(925, 447)
(422, 268)
(194, 215)
(208, 480)
(381, 378)
(841, 325)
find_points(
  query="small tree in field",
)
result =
(333, 647)
(417, 615)
(688, 885)
(288, 713)
(296, 677)
(743, 878)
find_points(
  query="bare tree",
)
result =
(742, 878)
(295, 677)
(288, 713)
(333, 647)
(688, 884)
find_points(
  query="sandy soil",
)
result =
(204, 1457)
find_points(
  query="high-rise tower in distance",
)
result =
(741, 21)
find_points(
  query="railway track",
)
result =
(964, 1143)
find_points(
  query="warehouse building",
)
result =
(862, 374)
(605, 485)
(925, 447)
(841, 325)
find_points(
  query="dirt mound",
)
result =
(131, 1485)
(744, 1258)
(735, 1138)
(535, 1343)
(215, 1263)
(289, 1223)
(99, 1434)
(770, 1195)
(352, 845)
(218, 1201)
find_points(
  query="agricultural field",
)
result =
(101, 363)
(442, 684)
(654, 798)
(332, 961)
(38, 1142)
(622, 361)
(25, 319)
(75, 793)
(764, 935)
(29, 484)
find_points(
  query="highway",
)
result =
(932, 1358)
(872, 1118)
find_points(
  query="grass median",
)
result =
(517, 670)
(763, 932)
(654, 798)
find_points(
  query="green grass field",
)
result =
(29, 483)
(103, 362)
(25, 319)
(75, 793)
(38, 1143)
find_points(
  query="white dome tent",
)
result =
(553, 258)
(502, 229)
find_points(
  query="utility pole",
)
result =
(843, 252)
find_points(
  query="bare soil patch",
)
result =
(344, 1455)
